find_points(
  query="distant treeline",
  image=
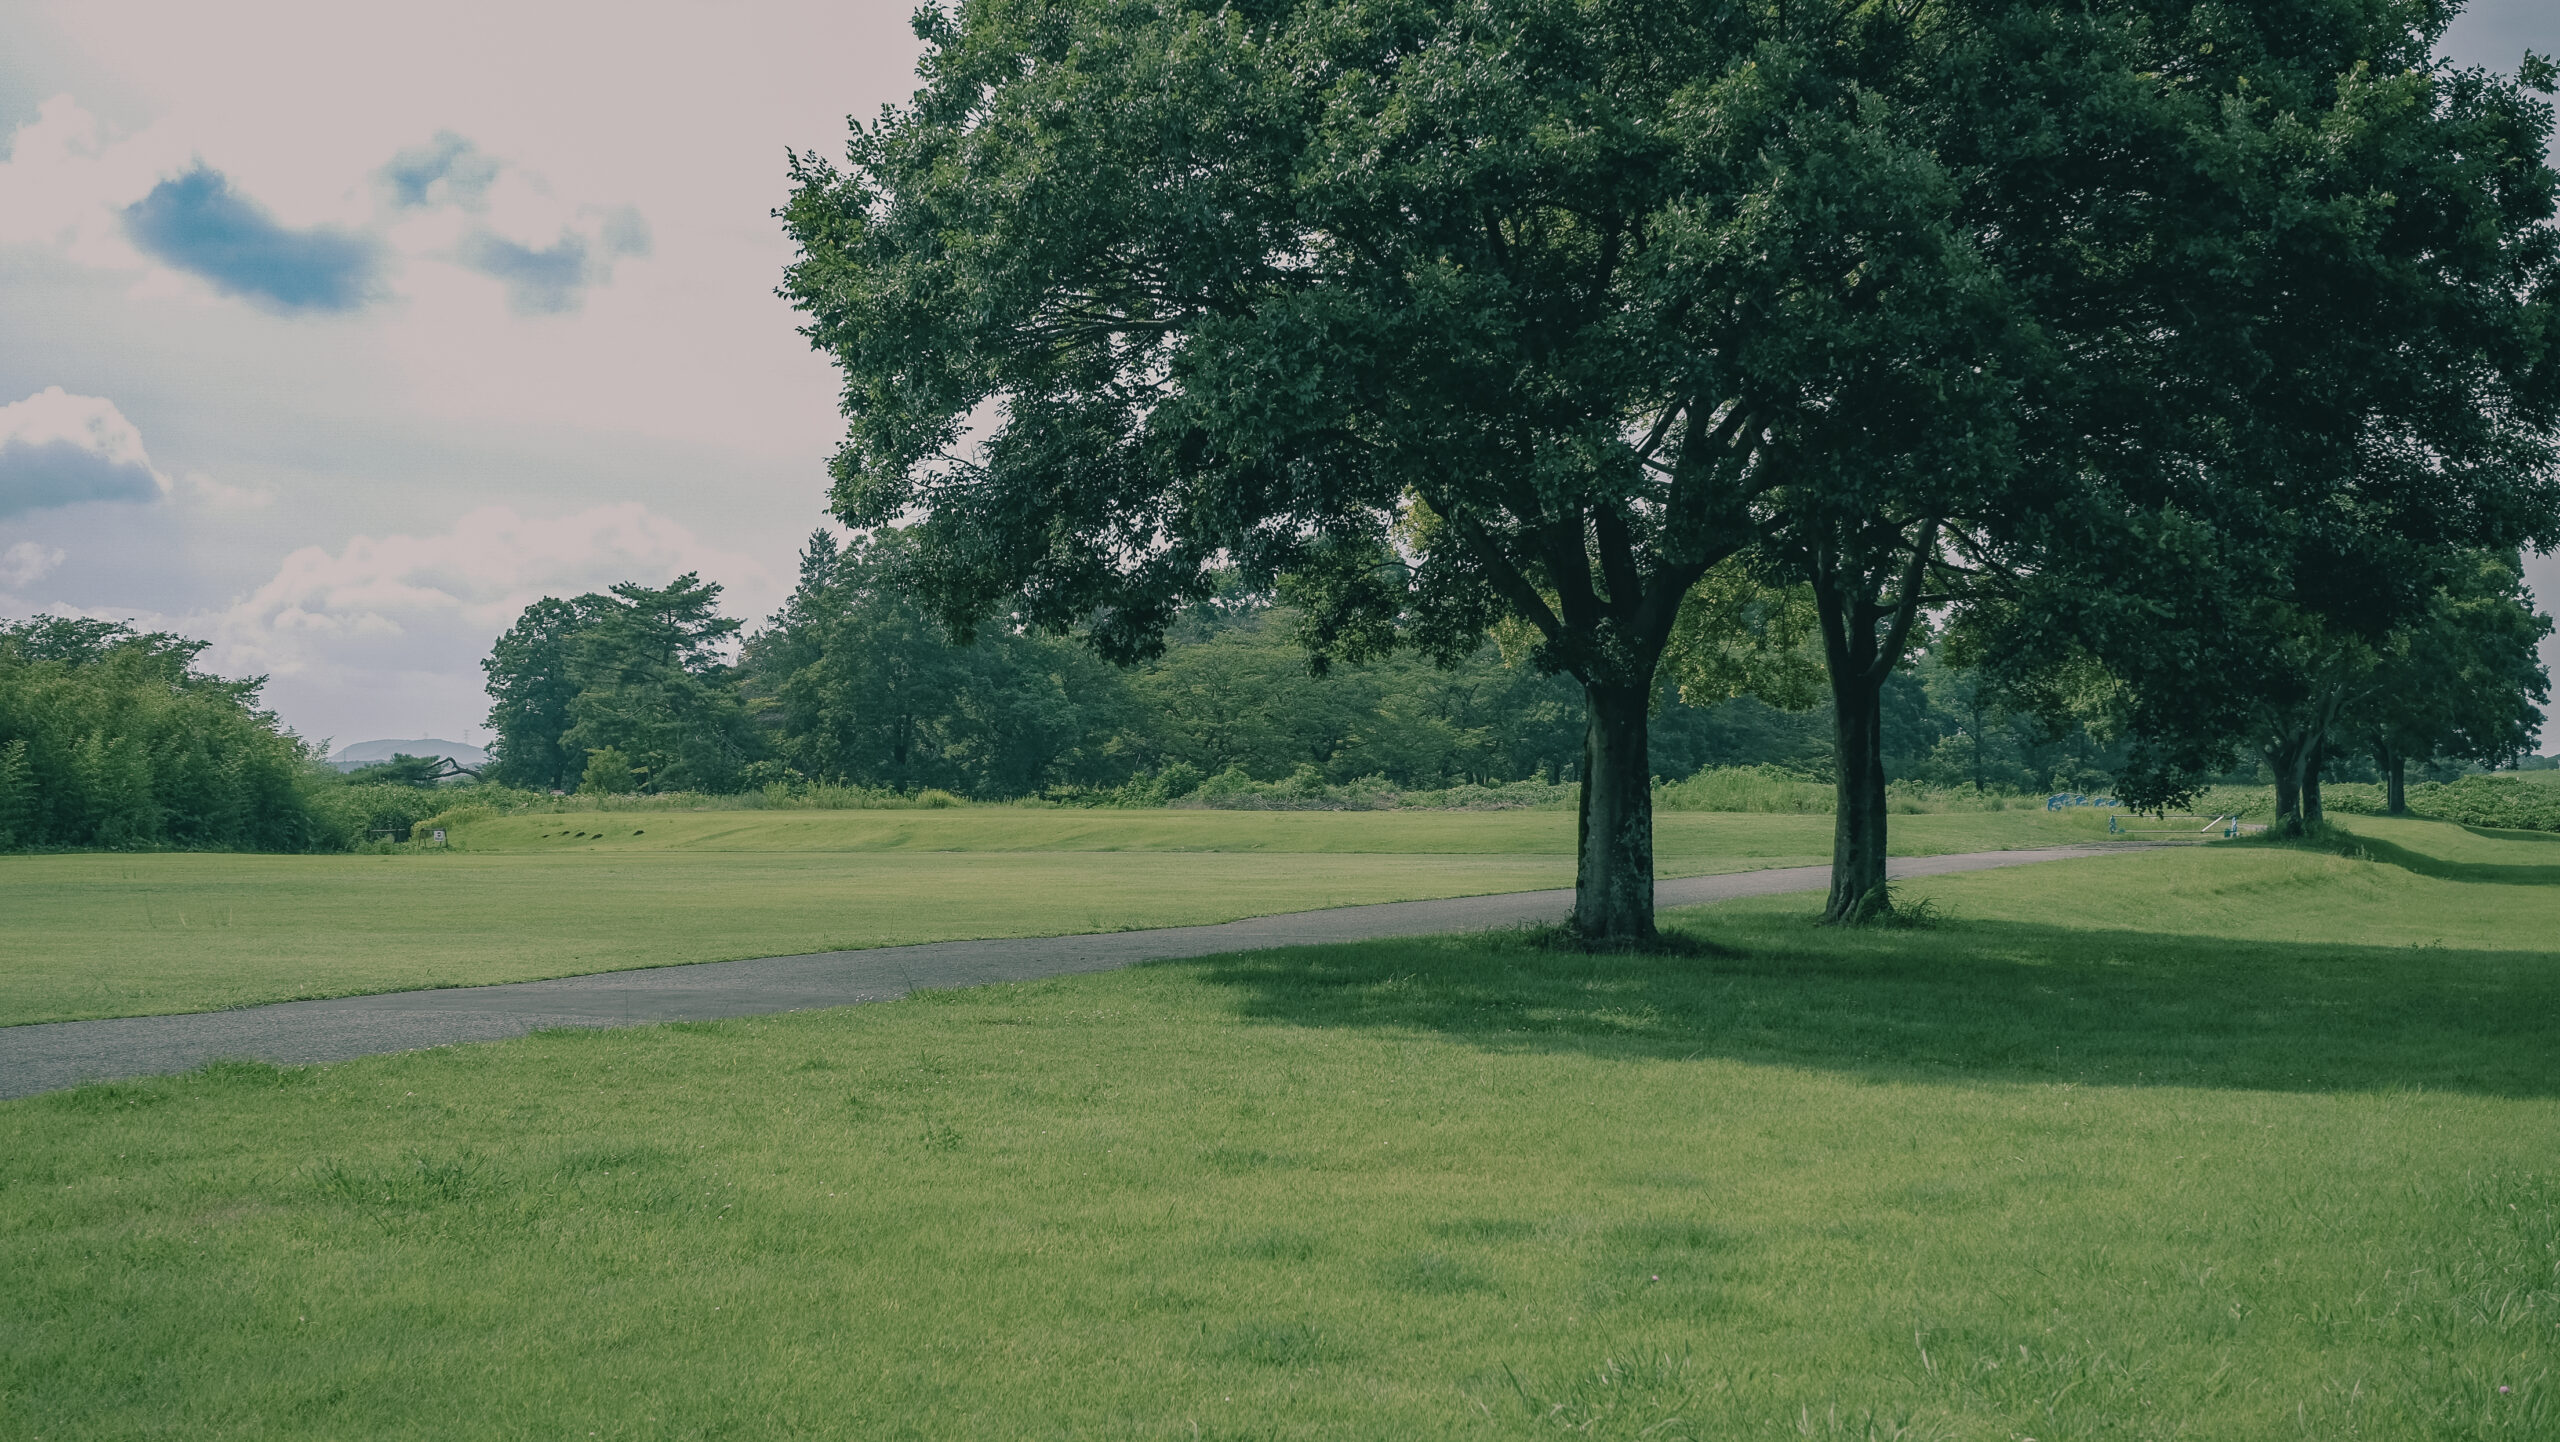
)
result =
(853, 683)
(850, 694)
(110, 737)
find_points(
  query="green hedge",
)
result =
(2507, 802)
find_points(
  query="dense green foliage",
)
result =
(2453, 684)
(620, 691)
(110, 737)
(2339, 421)
(2463, 681)
(654, 689)
(1535, 312)
(2506, 802)
(853, 683)
(403, 769)
(856, 684)
(1526, 312)
(530, 688)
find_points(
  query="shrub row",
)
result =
(2509, 802)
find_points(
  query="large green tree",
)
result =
(654, 686)
(637, 670)
(1537, 310)
(860, 683)
(2463, 683)
(1458, 313)
(2277, 288)
(530, 687)
(2304, 333)
(112, 737)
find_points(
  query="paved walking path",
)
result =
(60, 1054)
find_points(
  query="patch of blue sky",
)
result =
(447, 170)
(625, 231)
(199, 224)
(544, 281)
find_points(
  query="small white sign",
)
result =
(439, 838)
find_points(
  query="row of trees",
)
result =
(855, 681)
(2179, 354)
(2448, 673)
(112, 737)
(619, 690)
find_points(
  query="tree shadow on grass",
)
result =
(2507, 833)
(2493, 873)
(1958, 1001)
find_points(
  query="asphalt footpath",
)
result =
(53, 1055)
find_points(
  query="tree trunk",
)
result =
(1977, 736)
(1858, 810)
(1867, 611)
(2295, 758)
(2280, 760)
(1613, 878)
(2396, 783)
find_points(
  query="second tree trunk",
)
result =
(1613, 881)
(1858, 814)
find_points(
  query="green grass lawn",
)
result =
(2240, 1143)
(1677, 834)
(553, 895)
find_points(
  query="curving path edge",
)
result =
(50, 1055)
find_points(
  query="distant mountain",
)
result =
(365, 753)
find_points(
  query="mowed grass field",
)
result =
(520, 898)
(2238, 1142)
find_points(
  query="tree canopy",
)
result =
(638, 670)
(1454, 313)
(114, 737)
(1536, 311)
(2313, 388)
(2463, 682)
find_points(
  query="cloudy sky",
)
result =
(335, 333)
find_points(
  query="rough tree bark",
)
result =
(2294, 757)
(2299, 744)
(1606, 622)
(1613, 881)
(1867, 610)
(2288, 789)
(1858, 815)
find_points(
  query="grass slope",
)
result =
(128, 935)
(2049, 1169)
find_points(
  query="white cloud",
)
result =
(504, 366)
(68, 184)
(63, 179)
(26, 563)
(90, 422)
(358, 638)
(58, 449)
(207, 491)
(526, 296)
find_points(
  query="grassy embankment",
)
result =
(536, 895)
(2239, 1142)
